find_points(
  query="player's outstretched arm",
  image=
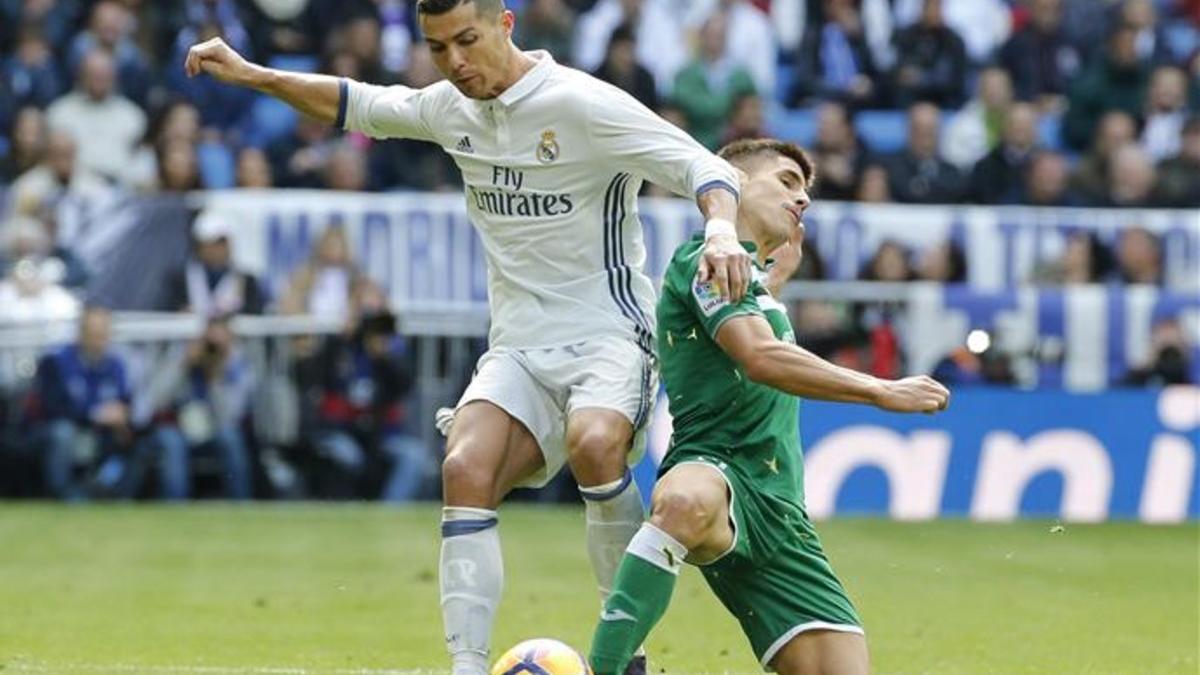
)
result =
(316, 96)
(748, 340)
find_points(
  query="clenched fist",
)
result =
(913, 394)
(219, 60)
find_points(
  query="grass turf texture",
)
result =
(335, 589)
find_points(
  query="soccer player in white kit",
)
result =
(552, 161)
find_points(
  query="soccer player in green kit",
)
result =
(729, 496)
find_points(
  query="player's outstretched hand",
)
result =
(219, 60)
(727, 265)
(914, 394)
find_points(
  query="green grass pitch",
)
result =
(291, 590)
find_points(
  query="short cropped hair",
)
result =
(435, 7)
(746, 152)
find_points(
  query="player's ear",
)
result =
(508, 20)
(743, 177)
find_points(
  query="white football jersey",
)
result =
(551, 170)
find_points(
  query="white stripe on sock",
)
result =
(658, 548)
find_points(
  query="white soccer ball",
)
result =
(541, 656)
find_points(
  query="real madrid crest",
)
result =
(547, 150)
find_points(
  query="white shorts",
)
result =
(542, 387)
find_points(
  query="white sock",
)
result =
(472, 578)
(614, 514)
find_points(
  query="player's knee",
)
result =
(686, 516)
(595, 446)
(463, 477)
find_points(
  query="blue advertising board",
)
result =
(999, 455)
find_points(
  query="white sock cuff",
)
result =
(461, 520)
(607, 491)
(466, 513)
(658, 548)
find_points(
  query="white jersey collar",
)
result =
(530, 80)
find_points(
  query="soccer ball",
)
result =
(542, 656)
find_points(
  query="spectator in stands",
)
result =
(322, 286)
(944, 263)
(177, 170)
(176, 122)
(346, 168)
(548, 25)
(200, 17)
(1179, 177)
(31, 289)
(621, 69)
(355, 388)
(873, 186)
(206, 395)
(1040, 57)
(282, 28)
(707, 87)
(1114, 81)
(30, 74)
(1047, 181)
(395, 37)
(918, 175)
(54, 20)
(983, 25)
(1090, 180)
(1151, 42)
(657, 27)
(1168, 362)
(208, 284)
(106, 126)
(749, 36)
(110, 28)
(1166, 111)
(360, 37)
(931, 61)
(27, 143)
(998, 178)
(81, 404)
(834, 59)
(974, 131)
(1131, 179)
(53, 178)
(299, 159)
(222, 108)
(890, 264)
(253, 169)
(839, 154)
(746, 119)
(1139, 257)
(1086, 260)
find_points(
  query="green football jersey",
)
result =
(717, 410)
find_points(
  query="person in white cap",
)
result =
(552, 161)
(208, 284)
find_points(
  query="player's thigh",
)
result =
(691, 503)
(488, 452)
(823, 652)
(610, 384)
(598, 441)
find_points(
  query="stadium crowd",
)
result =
(1035, 102)
(1064, 102)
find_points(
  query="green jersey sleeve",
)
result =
(713, 311)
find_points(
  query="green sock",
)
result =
(641, 592)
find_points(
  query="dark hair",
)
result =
(744, 152)
(435, 7)
(622, 33)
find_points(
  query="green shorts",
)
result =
(775, 578)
